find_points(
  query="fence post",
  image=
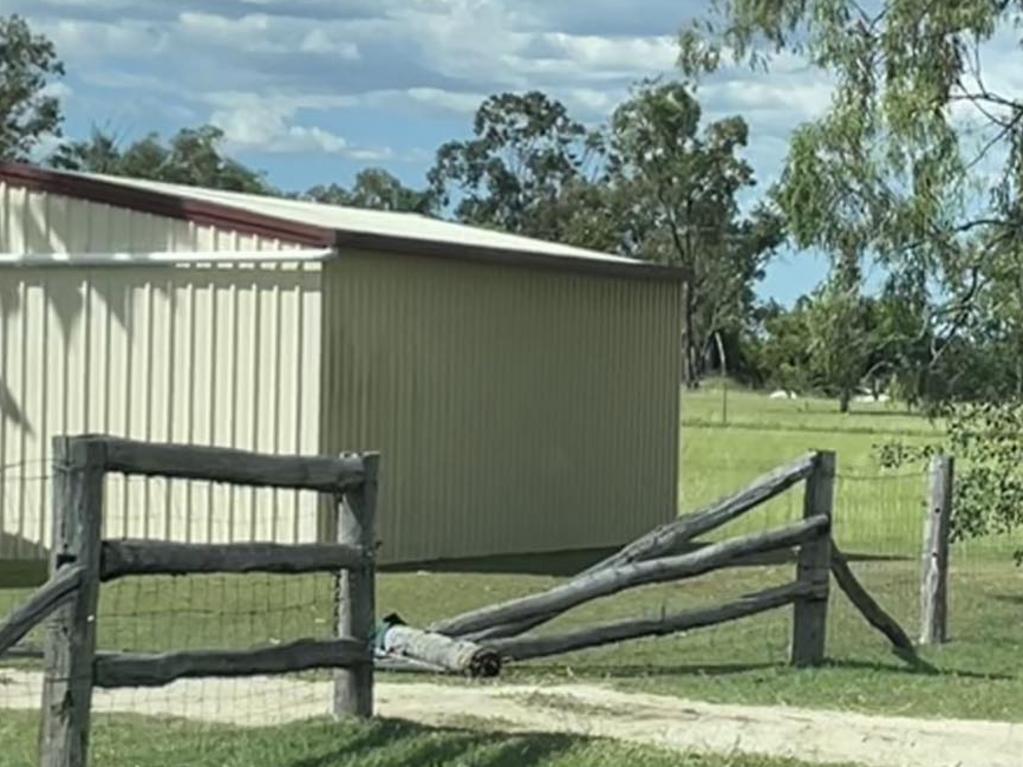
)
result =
(356, 609)
(934, 578)
(70, 648)
(810, 614)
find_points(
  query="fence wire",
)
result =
(159, 614)
(878, 523)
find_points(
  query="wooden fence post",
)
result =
(353, 687)
(810, 614)
(78, 466)
(934, 578)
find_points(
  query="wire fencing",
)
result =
(159, 614)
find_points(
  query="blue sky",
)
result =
(313, 90)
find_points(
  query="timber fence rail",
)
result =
(81, 560)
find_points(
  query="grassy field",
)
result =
(130, 742)
(878, 519)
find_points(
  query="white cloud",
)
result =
(268, 124)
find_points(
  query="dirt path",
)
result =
(821, 736)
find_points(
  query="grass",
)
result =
(128, 742)
(878, 518)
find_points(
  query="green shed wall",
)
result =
(517, 409)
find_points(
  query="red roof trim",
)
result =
(226, 217)
(164, 204)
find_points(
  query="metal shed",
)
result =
(524, 394)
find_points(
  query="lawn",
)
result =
(128, 742)
(878, 520)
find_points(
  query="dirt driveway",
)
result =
(811, 735)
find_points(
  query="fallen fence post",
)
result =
(934, 578)
(810, 616)
(70, 650)
(458, 656)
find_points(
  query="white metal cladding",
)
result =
(40, 222)
(222, 355)
(518, 410)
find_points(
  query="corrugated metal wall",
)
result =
(224, 355)
(517, 410)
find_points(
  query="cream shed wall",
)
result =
(517, 409)
(224, 354)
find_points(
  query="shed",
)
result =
(524, 394)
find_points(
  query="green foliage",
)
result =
(28, 63)
(987, 441)
(898, 170)
(377, 189)
(525, 171)
(678, 190)
(193, 156)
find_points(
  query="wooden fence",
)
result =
(81, 561)
(656, 558)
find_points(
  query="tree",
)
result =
(193, 156)
(895, 169)
(679, 189)
(28, 113)
(528, 169)
(377, 189)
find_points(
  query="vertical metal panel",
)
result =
(517, 409)
(224, 354)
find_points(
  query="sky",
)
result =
(310, 91)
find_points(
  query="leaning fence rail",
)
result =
(81, 561)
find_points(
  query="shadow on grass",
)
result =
(1012, 599)
(403, 743)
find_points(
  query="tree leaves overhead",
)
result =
(917, 162)
(193, 156)
(679, 190)
(526, 159)
(28, 113)
(377, 189)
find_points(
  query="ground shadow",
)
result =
(1012, 599)
(406, 743)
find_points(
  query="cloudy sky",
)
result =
(312, 90)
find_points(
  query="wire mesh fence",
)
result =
(878, 523)
(160, 614)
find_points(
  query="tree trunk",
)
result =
(844, 399)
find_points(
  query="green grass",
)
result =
(129, 742)
(878, 519)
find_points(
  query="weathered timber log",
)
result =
(45, 600)
(238, 467)
(521, 648)
(139, 670)
(70, 644)
(865, 603)
(356, 590)
(613, 580)
(451, 655)
(130, 557)
(810, 615)
(666, 539)
(934, 576)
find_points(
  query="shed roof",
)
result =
(323, 225)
